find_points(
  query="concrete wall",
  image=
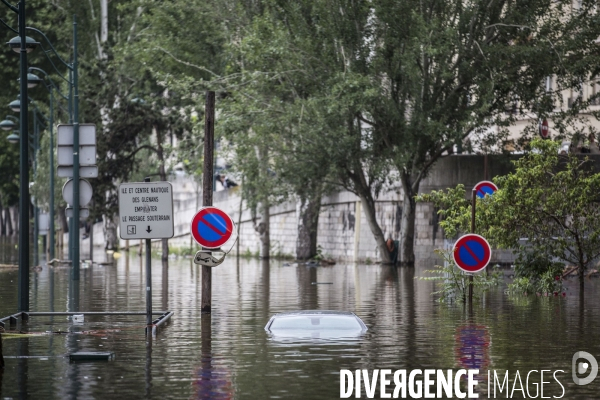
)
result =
(343, 230)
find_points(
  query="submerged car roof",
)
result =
(324, 313)
(314, 312)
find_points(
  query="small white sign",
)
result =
(43, 221)
(146, 210)
(85, 171)
(84, 213)
(87, 144)
(85, 192)
(206, 258)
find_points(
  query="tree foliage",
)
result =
(548, 209)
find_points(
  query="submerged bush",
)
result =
(453, 282)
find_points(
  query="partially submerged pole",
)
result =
(1, 355)
(24, 200)
(148, 281)
(207, 188)
(473, 203)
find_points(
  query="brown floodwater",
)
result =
(228, 355)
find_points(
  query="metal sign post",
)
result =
(474, 195)
(482, 189)
(472, 253)
(146, 212)
(148, 283)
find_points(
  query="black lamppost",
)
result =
(33, 142)
(33, 80)
(23, 46)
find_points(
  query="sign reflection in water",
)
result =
(236, 359)
(473, 348)
(211, 380)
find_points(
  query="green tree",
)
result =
(396, 85)
(266, 154)
(447, 71)
(550, 200)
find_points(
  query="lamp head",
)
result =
(15, 105)
(7, 125)
(32, 80)
(15, 44)
(13, 138)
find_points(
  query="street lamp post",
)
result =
(75, 222)
(51, 87)
(33, 142)
(74, 103)
(24, 45)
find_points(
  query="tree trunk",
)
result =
(1, 354)
(264, 205)
(368, 205)
(8, 221)
(110, 233)
(581, 279)
(262, 228)
(2, 222)
(103, 21)
(14, 216)
(363, 190)
(307, 210)
(62, 219)
(407, 225)
(163, 177)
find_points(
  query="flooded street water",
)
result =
(228, 355)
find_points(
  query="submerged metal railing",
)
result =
(164, 316)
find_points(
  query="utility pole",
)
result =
(207, 188)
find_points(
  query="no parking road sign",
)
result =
(211, 227)
(472, 253)
(485, 187)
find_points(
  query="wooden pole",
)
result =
(207, 188)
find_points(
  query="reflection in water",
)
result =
(211, 381)
(8, 252)
(473, 349)
(165, 285)
(227, 354)
(73, 301)
(22, 367)
(148, 366)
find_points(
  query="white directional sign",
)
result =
(146, 210)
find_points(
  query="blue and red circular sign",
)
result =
(485, 187)
(472, 253)
(211, 227)
(544, 129)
